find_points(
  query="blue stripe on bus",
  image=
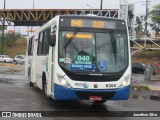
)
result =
(62, 93)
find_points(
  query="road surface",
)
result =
(17, 95)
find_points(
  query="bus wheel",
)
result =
(44, 88)
(29, 79)
(44, 85)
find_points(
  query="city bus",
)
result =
(80, 57)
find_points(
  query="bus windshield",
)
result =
(93, 51)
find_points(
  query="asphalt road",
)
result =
(17, 95)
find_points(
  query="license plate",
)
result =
(95, 98)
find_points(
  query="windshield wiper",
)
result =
(70, 39)
(113, 42)
(114, 45)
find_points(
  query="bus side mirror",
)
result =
(53, 40)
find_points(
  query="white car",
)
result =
(19, 59)
(5, 58)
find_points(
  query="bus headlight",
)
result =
(63, 81)
(124, 83)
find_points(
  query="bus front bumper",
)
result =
(62, 93)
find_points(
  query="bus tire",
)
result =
(29, 78)
(44, 87)
(44, 84)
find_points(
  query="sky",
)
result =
(73, 4)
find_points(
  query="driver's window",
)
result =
(53, 36)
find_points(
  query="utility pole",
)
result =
(147, 4)
(3, 29)
(101, 4)
(32, 26)
(33, 4)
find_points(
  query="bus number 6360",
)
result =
(110, 85)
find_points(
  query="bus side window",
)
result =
(52, 39)
(30, 47)
(40, 45)
(46, 41)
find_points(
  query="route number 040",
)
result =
(83, 58)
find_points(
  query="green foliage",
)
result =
(9, 39)
(139, 88)
(155, 17)
(0, 48)
(1, 27)
(13, 44)
(155, 14)
(139, 25)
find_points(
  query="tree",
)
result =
(9, 39)
(1, 27)
(13, 42)
(139, 25)
(155, 17)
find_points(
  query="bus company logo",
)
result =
(85, 85)
(6, 114)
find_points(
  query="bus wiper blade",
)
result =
(70, 39)
(113, 42)
(114, 45)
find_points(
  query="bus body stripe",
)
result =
(62, 93)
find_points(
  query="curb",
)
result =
(10, 65)
(154, 87)
(7, 64)
(155, 97)
(145, 87)
(139, 88)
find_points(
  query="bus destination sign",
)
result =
(91, 23)
(81, 23)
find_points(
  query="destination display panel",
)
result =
(85, 22)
